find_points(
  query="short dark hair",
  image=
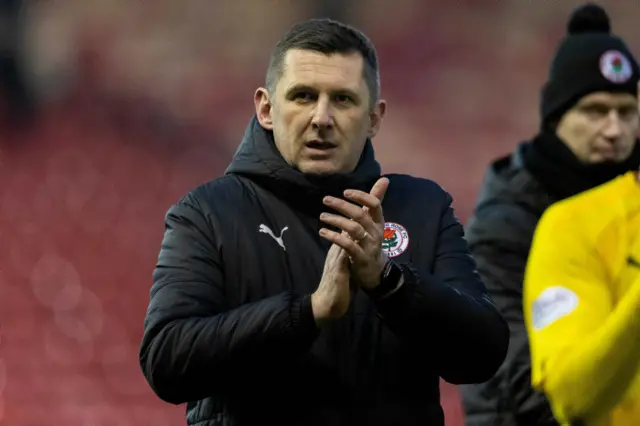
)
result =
(326, 36)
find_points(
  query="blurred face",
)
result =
(601, 127)
(320, 113)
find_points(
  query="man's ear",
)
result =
(263, 108)
(376, 117)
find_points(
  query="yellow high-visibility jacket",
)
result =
(582, 305)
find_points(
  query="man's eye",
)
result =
(628, 113)
(596, 110)
(303, 96)
(343, 99)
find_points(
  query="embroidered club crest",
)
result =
(615, 67)
(396, 239)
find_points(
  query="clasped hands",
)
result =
(356, 254)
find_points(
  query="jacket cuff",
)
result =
(398, 304)
(302, 319)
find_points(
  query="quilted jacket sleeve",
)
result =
(192, 341)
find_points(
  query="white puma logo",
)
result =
(266, 230)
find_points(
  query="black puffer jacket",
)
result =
(230, 328)
(499, 235)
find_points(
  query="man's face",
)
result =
(320, 113)
(601, 127)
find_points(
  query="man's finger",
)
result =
(348, 226)
(380, 188)
(352, 249)
(353, 211)
(372, 204)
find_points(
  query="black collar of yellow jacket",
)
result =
(258, 159)
(562, 175)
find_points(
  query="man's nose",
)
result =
(613, 127)
(322, 115)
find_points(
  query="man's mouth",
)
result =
(320, 145)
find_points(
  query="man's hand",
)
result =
(331, 299)
(363, 229)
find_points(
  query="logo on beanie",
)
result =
(615, 67)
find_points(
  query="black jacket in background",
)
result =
(517, 190)
(230, 329)
(499, 234)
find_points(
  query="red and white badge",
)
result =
(396, 239)
(615, 67)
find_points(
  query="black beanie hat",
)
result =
(589, 59)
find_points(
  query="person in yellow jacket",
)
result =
(588, 136)
(582, 305)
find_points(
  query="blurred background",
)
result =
(111, 110)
